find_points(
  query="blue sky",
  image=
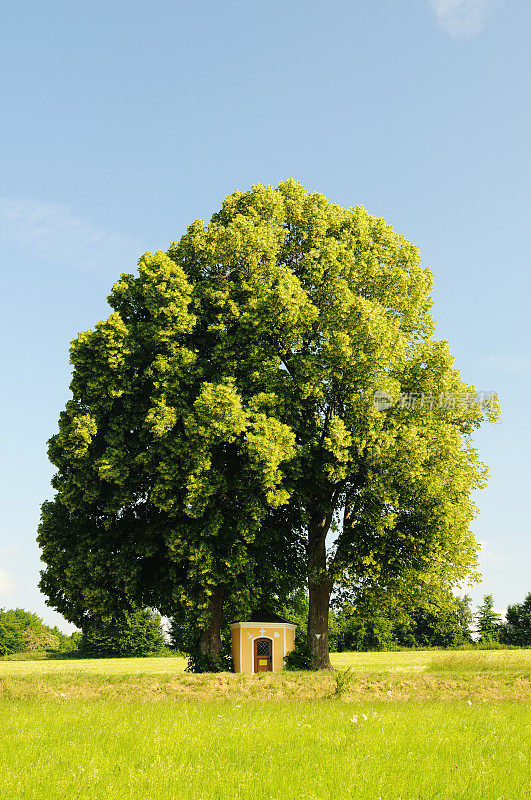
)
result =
(123, 122)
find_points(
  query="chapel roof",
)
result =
(263, 616)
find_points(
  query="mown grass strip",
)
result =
(297, 686)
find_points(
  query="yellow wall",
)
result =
(290, 640)
(236, 648)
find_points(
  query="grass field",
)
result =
(410, 726)
(405, 660)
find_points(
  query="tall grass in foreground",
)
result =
(255, 751)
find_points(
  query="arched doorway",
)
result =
(263, 655)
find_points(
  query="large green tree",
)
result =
(165, 472)
(228, 403)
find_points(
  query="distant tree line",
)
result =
(383, 624)
(21, 631)
(449, 623)
(386, 624)
(517, 626)
(136, 633)
(132, 633)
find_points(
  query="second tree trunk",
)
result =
(319, 589)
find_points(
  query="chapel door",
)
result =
(263, 656)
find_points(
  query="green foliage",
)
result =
(14, 625)
(385, 623)
(343, 679)
(517, 627)
(487, 621)
(39, 641)
(70, 644)
(364, 628)
(201, 662)
(295, 608)
(134, 633)
(464, 616)
(22, 631)
(444, 624)
(185, 639)
(300, 657)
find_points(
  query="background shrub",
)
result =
(133, 633)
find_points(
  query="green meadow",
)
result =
(404, 726)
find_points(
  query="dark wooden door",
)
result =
(263, 656)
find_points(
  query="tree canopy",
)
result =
(132, 633)
(223, 438)
(488, 621)
(517, 627)
(22, 631)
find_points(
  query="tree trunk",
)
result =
(319, 589)
(210, 636)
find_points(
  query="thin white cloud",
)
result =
(51, 232)
(462, 19)
(487, 553)
(6, 582)
(515, 363)
(10, 550)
